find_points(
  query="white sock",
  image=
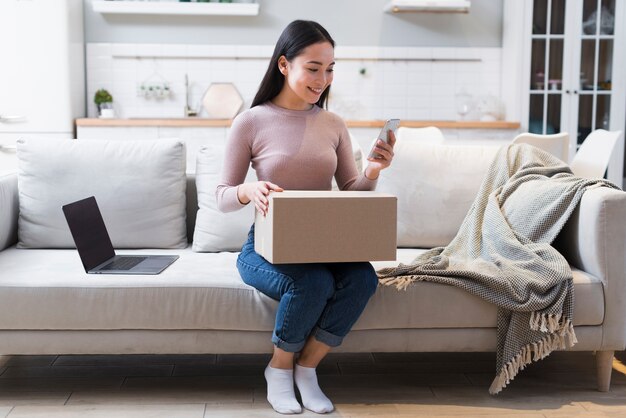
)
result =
(280, 392)
(313, 398)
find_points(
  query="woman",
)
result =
(293, 143)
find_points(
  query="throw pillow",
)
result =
(435, 186)
(217, 231)
(431, 134)
(139, 186)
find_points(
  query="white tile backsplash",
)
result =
(175, 50)
(99, 62)
(411, 83)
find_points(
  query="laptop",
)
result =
(95, 248)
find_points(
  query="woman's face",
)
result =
(308, 74)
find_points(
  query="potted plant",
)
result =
(104, 102)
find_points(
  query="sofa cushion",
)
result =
(217, 231)
(431, 134)
(435, 185)
(433, 305)
(205, 291)
(139, 185)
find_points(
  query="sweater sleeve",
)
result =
(347, 175)
(237, 158)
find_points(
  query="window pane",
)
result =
(590, 16)
(605, 64)
(553, 124)
(535, 121)
(555, 74)
(540, 8)
(585, 109)
(557, 17)
(587, 58)
(538, 65)
(603, 111)
(607, 17)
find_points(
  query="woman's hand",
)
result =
(383, 158)
(257, 192)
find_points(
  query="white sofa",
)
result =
(48, 305)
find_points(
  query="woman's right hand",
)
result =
(257, 192)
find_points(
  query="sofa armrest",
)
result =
(594, 240)
(9, 208)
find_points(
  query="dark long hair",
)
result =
(298, 35)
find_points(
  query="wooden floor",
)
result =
(360, 385)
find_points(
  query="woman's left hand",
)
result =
(382, 158)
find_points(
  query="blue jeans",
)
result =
(315, 299)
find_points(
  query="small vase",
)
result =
(106, 110)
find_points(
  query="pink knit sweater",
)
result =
(294, 149)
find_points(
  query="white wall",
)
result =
(414, 83)
(350, 22)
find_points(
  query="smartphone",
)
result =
(390, 125)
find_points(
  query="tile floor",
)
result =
(361, 385)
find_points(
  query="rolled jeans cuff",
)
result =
(285, 346)
(326, 337)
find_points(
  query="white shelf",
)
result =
(175, 8)
(429, 6)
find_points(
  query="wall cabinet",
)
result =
(572, 56)
(247, 8)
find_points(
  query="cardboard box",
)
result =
(327, 227)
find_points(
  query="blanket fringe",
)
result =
(562, 337)
(400, 282)
(545, 322)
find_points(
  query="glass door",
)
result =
(546, 69)
(575, 69)
(596, 39)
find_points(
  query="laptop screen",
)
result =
(89, 232)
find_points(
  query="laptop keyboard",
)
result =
(124, 263)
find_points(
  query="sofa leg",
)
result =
(604, 366)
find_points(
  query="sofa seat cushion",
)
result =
(432, 305)
(49, 290)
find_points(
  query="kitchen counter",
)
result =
(204, 122)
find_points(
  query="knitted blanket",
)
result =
(502, 253)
